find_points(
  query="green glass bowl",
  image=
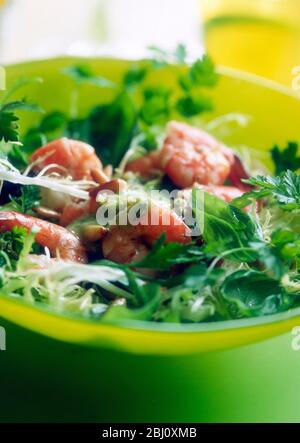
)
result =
(58, 367)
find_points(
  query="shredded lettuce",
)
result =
(10, 174)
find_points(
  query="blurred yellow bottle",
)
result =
(259, 36)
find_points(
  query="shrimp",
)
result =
(158, 221)
(128, 244)
(77, 158)
(123, 244)
(60, 242)
(190, 155)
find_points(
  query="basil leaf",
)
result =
(253, 293)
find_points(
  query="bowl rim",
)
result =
(221, 69)
(216, 326)
(156, 327)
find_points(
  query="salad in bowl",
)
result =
(135, 211)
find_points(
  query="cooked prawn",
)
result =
(77, 158)
(128, 244)
(123, 244)
(158, 221)
(60, 242)
(190, 155)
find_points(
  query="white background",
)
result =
(41, 28)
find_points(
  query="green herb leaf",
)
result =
(111, 144)
(165, 255)
(52, 122)
(284, 189)
(280, 254)
(29, 199)
(135, 76)
(33, 140)
(269, 257)
(21, 105)
(253, 293)
(156, 108)
(9, 128)
(17, 157)
(287, 243)
(196, 277)
(153, 298)
(11, 243)
(201, 74)
(161, 58)
(225, 226)
(191, 105)
(84, 74)
(287, 158)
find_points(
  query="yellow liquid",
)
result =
(259, 43)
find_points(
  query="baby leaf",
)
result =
(253, 293)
